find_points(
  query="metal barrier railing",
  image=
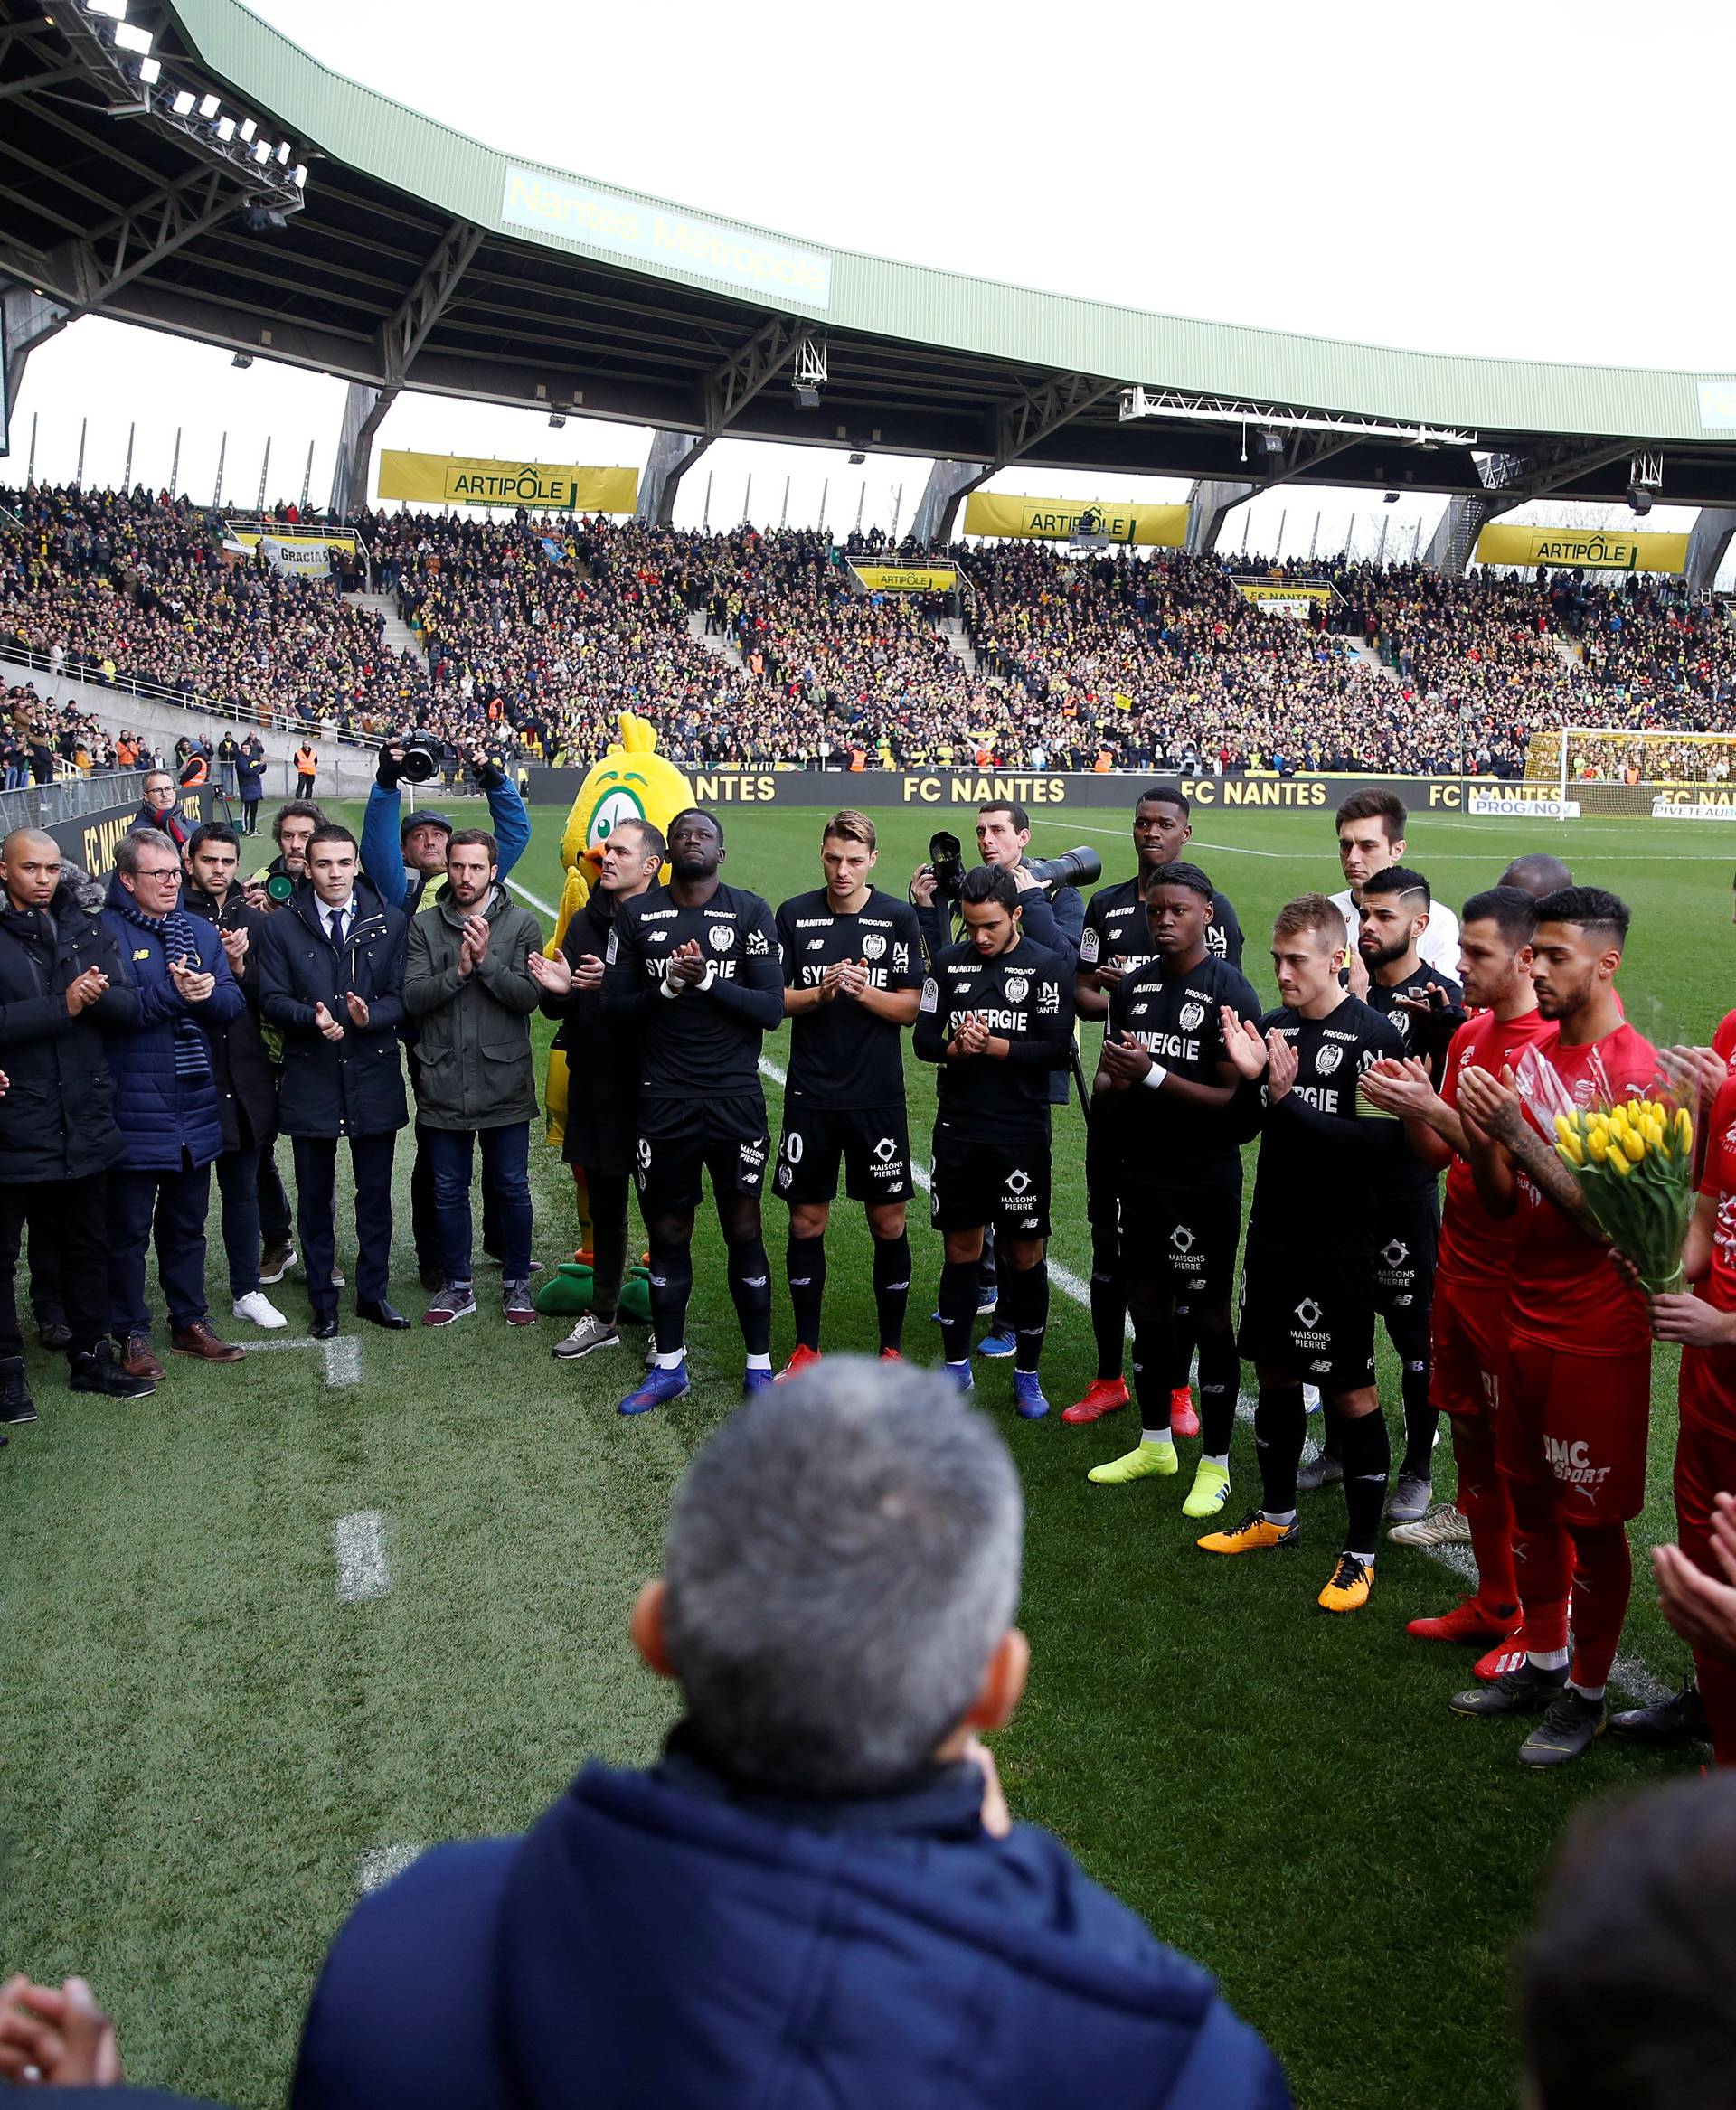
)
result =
(71, 798)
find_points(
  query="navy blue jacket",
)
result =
(159, 1114)
(356, 1086)
(660, 1940)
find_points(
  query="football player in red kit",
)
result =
(1469, 1325)
(1705, 1450)
(1571, 1422)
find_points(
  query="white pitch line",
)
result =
(380, 1864)
(342, 1357)
(360, 1544)
(535, 900)
(1085, 828)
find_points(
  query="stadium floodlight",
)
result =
(261, 151)
(1189, 408)
(225, 129)
(150, 72)
(114, 10)
(300, 176)
(283, 155)
(129, 37)
(182, 105)
(247, 129)
(210, 107)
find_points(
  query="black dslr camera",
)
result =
(947, 862)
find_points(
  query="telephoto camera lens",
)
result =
(1072, 868)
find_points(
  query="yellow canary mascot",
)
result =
(631, 782)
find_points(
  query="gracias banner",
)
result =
(1594, 549)
(889, 578)
(993, 512)
(458, 479)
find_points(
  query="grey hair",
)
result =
(136, 839)
(841, 1558)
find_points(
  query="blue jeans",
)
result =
(505, 1173)
(174, 1204)
(238, 1183)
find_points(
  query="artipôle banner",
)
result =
(1591, 548)
(899, 579)
(456, 479)
(995, 513)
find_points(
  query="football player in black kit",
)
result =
(1308, 1289)
(1115, 944)
(1428, 1008)
(997, 1014)
(1179, 1127)
(695, 965)
(853, 975)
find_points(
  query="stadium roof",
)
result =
(421, 258)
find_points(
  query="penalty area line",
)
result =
(378, 1866)
(359, 1541)
(341, 1356)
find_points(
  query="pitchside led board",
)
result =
(1591, 548)
(458, 479)
(994, 513)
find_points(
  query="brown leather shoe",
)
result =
(199, 1340)
(138, 1359)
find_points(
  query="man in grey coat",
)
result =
(468, 985)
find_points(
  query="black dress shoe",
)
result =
(55, 1333)
(381, 1312)
(325, 1326)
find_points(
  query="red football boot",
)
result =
(1184, 1420)
(1470, 1620)
(1102, 1395)
(802, 1358)
(1506, 1655)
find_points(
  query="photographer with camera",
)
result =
(403, 858)
(1052, 915)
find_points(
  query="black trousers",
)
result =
(316, 1164)
(73, 1218)
(275, 1223)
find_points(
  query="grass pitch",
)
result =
(203, 1743)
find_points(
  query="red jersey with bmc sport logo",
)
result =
(1475, 1248)
(1565, 1289)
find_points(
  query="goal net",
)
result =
(1622, 769)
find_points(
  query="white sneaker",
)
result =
(1311, 1398)
(257, 1310)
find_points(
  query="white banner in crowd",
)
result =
(304, 560)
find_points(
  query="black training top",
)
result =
(841, 1055)
(1026, 997)
(707, 1041)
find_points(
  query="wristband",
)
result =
(671, 989)
(709, 976)
(1155, 1077)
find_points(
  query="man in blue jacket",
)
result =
(166, 1102)
(817, 1897)
(405, 859)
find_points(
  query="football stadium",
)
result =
(431, 887)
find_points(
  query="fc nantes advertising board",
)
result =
(459, 479)
(993, 512)
(1592, 548)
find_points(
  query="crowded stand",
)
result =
(763, 647)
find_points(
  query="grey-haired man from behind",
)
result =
(816, 1896)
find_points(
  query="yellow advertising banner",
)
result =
(1261, 589)
(890, 578)
(456, 479)
(993, 512)
(1596, 549)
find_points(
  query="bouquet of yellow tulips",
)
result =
(1634, 1162)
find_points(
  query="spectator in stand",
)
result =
(817, 1893)
(62, 984)
(159, 809)
(166, 1102)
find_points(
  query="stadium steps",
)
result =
(398, 636)
(952, 628)
(719, 647)
(1371, 659)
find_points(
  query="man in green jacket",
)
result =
(468, 985)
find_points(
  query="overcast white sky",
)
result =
(1485, 178)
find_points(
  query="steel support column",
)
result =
(1707, 541)
(30, 319)
(1209, 505)
(672, 454)
(937, 511)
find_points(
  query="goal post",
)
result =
(1635, 768)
